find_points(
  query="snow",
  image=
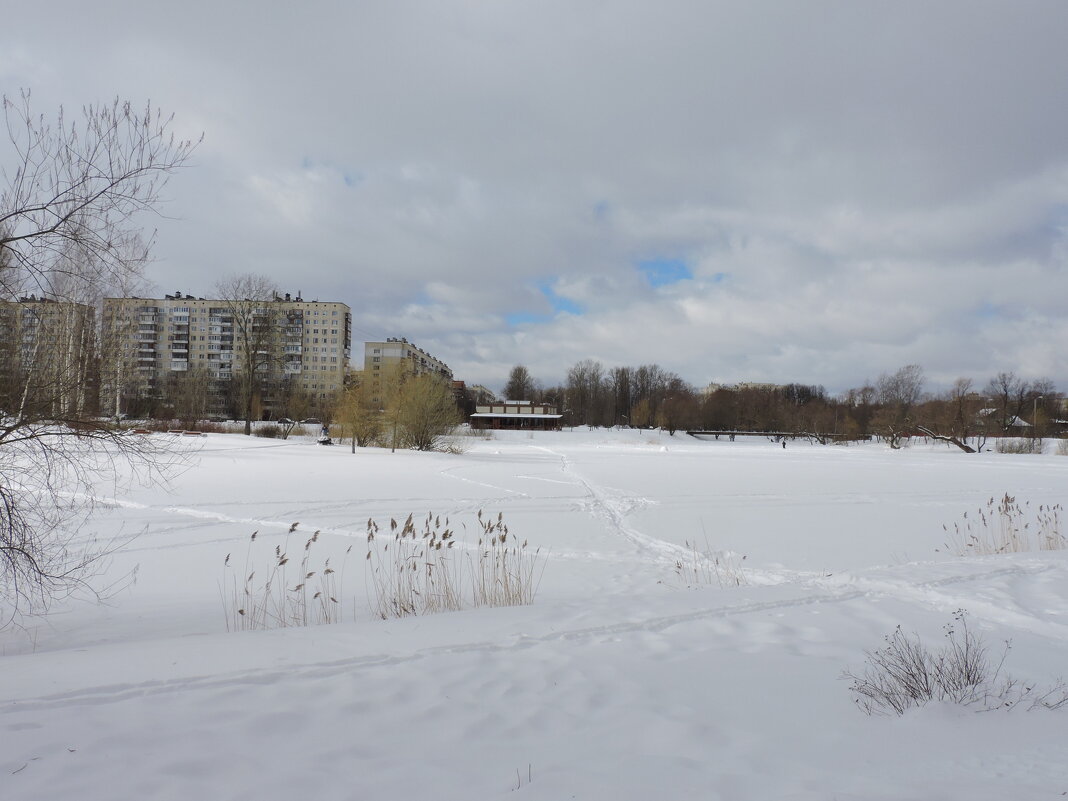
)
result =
(619, 682)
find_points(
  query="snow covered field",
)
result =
(619, 682)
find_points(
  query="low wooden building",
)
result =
(516, 416)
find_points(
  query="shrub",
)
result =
(455, 443)
(1006, 527)
(1062, 447)
(906, 674)
(271, 431)
(209, 427)
(1019, 445)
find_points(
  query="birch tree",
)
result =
(251, 302)
(74, 192)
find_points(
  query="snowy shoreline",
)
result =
(618, 682)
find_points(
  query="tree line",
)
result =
(893, 407)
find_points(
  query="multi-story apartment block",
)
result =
(47, 355)
(292, 343)
(380, 359)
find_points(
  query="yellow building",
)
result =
(385, 358)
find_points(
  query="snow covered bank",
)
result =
(618, 682)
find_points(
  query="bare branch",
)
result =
(70, 229)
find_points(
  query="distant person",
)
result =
(784, 444)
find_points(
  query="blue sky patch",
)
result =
(664, 272)
(523, 318)
(560, 305)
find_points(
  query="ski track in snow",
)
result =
(608, 505)
(267, 527)
(612, 507)
(926, 592)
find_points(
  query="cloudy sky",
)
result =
(767, 191)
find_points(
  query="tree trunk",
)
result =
(953, 440)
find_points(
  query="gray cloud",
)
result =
(854, 186)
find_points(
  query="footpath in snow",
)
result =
(628, 678)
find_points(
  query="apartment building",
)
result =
(293, 344)
(47, 356)
(397, 353)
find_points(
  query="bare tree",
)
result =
(1009, 395)
(121, 380)
(1042, 395)
(587, 394)
(294, 402)
(70, 209)
(520, 386)
(82, 185)
(958, 418)
(898, 393)
(622, 380)
(189, 392)
(250, 300)
(678, 410)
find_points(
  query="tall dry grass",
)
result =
(705, 567)
(411, 571)
(413, 568)
(506, 572)
(1006, 526)
(422, 569)
(282, 595)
